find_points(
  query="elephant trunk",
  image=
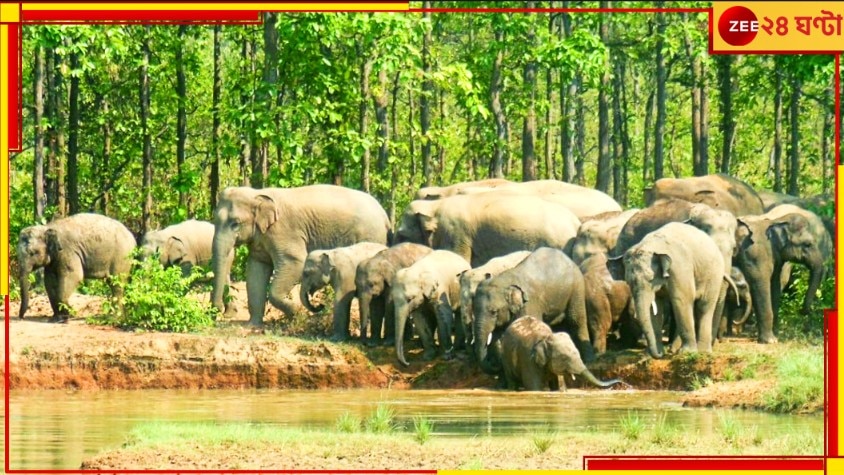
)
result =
(643, 315)
(24, 285)
(747, 308)
(483, 338)
(305, 293)
(222, 258)
(402, 314)
(815, 278)
(597, 382)
(364, 301)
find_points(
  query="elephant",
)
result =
(437, 192)
(719, 191)
(738, 306)
(686, 264)
(185, 244)
(372, 285)
(411, 227)
(597, 235)
(338, 268)
(482, 226)
(583, 202)
(546, 284)
(814, 204)
(765, 243)
(470, 279)
(81, 246)
(280, 226)
(428, 287)
(607, 302)
(534, 357)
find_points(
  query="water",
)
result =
(58, 429)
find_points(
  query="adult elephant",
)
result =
(437, 192)
(534, 357)
(185, 244)
(280, 226)
(545, 284)
(82, 246)
(686, 263)
(765, 243)
(599, 236)
(815, 204)
(336, 267)
(487, 225)
(428, 287)
(720, 191)
(372, 285)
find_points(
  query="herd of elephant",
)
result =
(528, 278)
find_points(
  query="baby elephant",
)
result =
(336, 267)
(737, 307)
(607, 302)
(534, 357)
(186, 244)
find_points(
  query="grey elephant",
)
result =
(470, 279)
(599, 234)
(482, 226)
(336, 267)
(372, 285)
(82, 246)
(280, 226)
(738, 305)
(607, 302)
(428, 288)
(765, 243)
(185, 244)
(545, 284)
(813, 203)
(437, 192)
(533, 357)
(687, 264)
(719, 191)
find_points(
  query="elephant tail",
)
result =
(597, 382)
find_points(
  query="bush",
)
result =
(799, 382)
(348, 423)
(422, 429)
(632, 425)
(381, 421)
(156, 299)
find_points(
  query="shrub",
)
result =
(381, 421)
(422, 429)
(632, 425)
(800, 382)
(348, 423)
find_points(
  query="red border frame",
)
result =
(589, 462)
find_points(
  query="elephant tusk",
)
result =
(489, 339)
(653, 306)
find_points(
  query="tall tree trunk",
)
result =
(694, 66)
(728, 124)
(55, 156)
(579, 139)
(778, 89)
(704, 118)
(794, 153)
(646, 149)
(260, 165)
(214, 178)
(626, 145)
(106, 162)
(568, 95)
(363, 117)
(621, 142)
(427, 92)
(604, 172)
(440, 148)
(246, 125)
(181, 113)
(394, 167)
(381, 101)
(497, 165)
(411, 143)
(550, 172)
(72, 183)
(827, 136)
(146, 212)
(659, 130)
(39, 197)
(529, 127)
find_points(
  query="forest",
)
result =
(148, 123)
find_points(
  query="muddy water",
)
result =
(57, 429)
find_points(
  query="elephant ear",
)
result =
(427, 226)
(516, 299)
(791, 230)
(744, 235)
(326, 263)
(266, 212)
(538, 353)
(54, 245)
(697, 213)
(428, 284)
(176, 251)
(663, 264)
(706, 197)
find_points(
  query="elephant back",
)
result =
(102, 241)
(720, 191)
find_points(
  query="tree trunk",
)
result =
(39, 197)
(694, 66)
(440, 148)
(260, 165)
(55, 157)
(828, 134)
(181, 114)
(394, 167)
(794, 153)
(497, 165)
(778, 89)
(529, 127)
(604, 172)
(146, 212)
(381, 101)
(646, 150)
(105, 171)
(659, 130)
(246, 125)
(363, 118)
(72, 183)
(704, 118)
(579, 139)
(214, 178)
(728, 125)
(427, 92)
(568, 93)
(411, 143)
(621, 141)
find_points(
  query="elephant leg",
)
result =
(705, 309)
(422, 324)
(445, 322)
(555, 382)
(510, 381)
(599, 322)
(342, 320)
(390, 321)
(533, 379)
(776, 298)
(66, 286)
(287, 273)
(117, 291)
(257, 277)
(718, 315)
(460, 341)
(51, 284)
(684, 320)
(377, 309)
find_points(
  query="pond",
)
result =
(58, 429)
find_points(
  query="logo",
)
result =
(738, 26)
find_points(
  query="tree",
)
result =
(214, 178)
(604, 165)
(181, 114)
(659, 129)
(143, 76)
(425, 97)
(529, 128)
(39, 196)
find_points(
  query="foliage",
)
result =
(632, 425)
(422, 429)
(664, 433)
(543, 439)
(381, 421)
(800, 382)
(348, 423)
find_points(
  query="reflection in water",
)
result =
(57, 429)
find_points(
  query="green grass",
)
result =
(730, 428)
(422, 429)
(381, 421)
(664, 433)
(800, 380)
(348, 423)
(543, 439)
(632, 425)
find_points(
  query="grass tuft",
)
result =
(382, 421)
(348, 423)
(543, 439)
(664, 432)
(799, 382)
(422, 429)
(632, 425)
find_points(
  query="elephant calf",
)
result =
(737, 306)
(534, 357)
(185, 244)
(82, 246)
(336, 267)
(606, 300)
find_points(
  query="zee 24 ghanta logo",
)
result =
(738, 25)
